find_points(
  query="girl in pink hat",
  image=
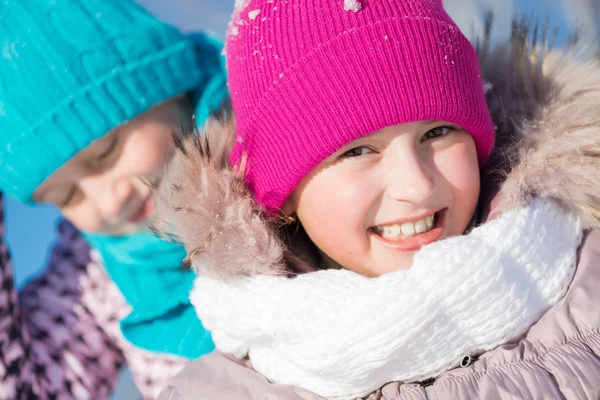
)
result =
(359, 235)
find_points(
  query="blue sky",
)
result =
(31, 230)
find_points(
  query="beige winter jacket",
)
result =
(559, 358)
(547, 110)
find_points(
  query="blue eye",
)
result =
(437, 132)
(357, 152)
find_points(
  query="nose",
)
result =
(410, 177)
(107, 193)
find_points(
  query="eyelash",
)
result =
(105, 154)
(446, 129)
(69, 198)
(348, 155)
(108, 151)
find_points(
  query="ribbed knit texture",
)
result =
(70, 71)
(146, 270)
(308, 77)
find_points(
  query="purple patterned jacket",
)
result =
(60, 335)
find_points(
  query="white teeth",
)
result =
(394, 230)
(429, 221)
(407, 229)
(421, 226)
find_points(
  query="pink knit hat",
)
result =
(308, 77)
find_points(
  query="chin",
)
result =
(126, 229)
(391, 266)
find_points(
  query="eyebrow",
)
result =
(108, 138)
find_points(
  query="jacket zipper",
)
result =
(430, 393)
(428, 385)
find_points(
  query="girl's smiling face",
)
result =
(103, 188)
(373, 204)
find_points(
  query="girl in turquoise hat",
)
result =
(91, 94)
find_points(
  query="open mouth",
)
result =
(411, 235)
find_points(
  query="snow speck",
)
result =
(487, 86)
(352, 5)
(240, 5)
(253, 14)
(386, 37)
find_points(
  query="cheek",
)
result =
(459, 168)
(332, 209)
(147, 153)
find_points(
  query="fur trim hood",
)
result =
(545, 107)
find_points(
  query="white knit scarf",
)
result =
(342, 335)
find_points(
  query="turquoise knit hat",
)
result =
(72, 70)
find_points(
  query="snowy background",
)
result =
(30, 231)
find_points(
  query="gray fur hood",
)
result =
(545, 105)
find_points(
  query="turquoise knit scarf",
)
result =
(146, 270)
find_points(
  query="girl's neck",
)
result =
(327, 262)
